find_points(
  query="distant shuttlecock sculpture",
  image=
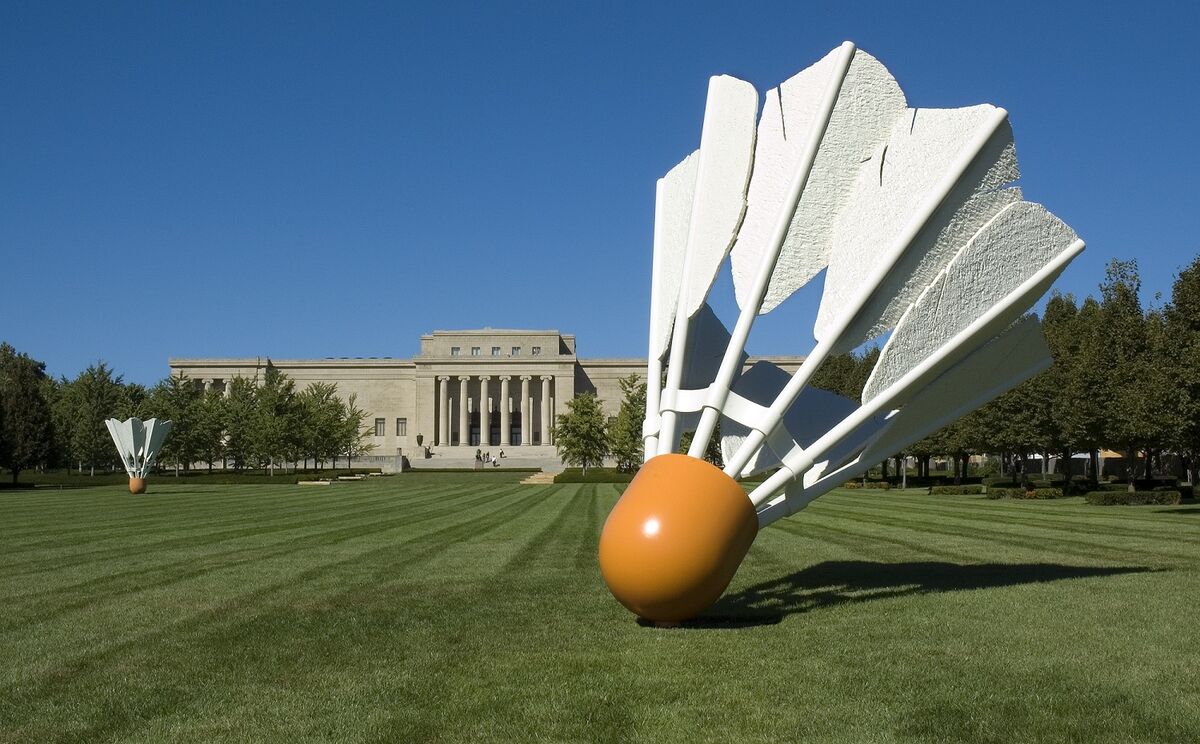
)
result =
(911, 215)
(138, 443)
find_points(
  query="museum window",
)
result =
(455, 350)
(495, 351)
(516, 351)
(474, 351)
(402, 427)
(380, 427)
(535, 351)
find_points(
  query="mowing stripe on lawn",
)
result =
(160, 575)
(1062, 541)
(383, 504)
(1044, 514)
(172, 510)
(218, 611)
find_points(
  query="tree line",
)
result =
(260, 423)
(1125, 377)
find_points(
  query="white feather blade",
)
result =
(156, 435)
(672, 217)
(869, 102)
(1010, 249)
(984, 327)
(915, 203)
(723, 172)
(1006, 361)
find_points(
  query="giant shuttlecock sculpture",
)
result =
(138, 443)
(911, 215)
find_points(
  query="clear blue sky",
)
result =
(334, 179)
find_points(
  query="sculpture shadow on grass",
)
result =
(835, 583)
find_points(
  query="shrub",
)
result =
(1022, 493)
(1185, 491)
(1043, 493)
(996, 492)
(488, 469)
(1126, 498)
(879, 485)
(1001, 483)
(594, 475)
(956, 490)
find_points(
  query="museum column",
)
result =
(485, 433)
(207, 384)
(545, 409)
(526, 408)
(464, 424)
(443, 430)
(505, 413)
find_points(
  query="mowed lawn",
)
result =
(470, 608)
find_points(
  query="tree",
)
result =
(625, 429)
(579, 434)
(177, 399)
(95, 395)
(1129, 424)
(712, 452)
(62, 423)
(1089, 383)
(846, 374)
(210, 426)
(25, 418)
(1182, 317)
(240, 412)
(1061, 422)
(355, 437)
(274, 431)
(320, 421)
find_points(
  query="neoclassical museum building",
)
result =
(518, 380)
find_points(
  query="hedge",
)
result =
(1021, 493)
(594, 475)
(956, 490)
(1185, 491)
(880, 485)
(1041, 493)
(1126, 498)
(1047, 480)
(282, 477)
(486, 469)
(996, 492)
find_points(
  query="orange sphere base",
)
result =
(137, 485)
(676, 538)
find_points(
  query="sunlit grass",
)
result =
(470, 608)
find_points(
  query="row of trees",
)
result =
(263, 423)
(260, 423)
(584, 437)
(1125, 377)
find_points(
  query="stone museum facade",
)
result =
(519, 381)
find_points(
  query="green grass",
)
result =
(75, 479)
(469, 607)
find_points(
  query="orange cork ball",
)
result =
(676, 538)
(137, 485)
